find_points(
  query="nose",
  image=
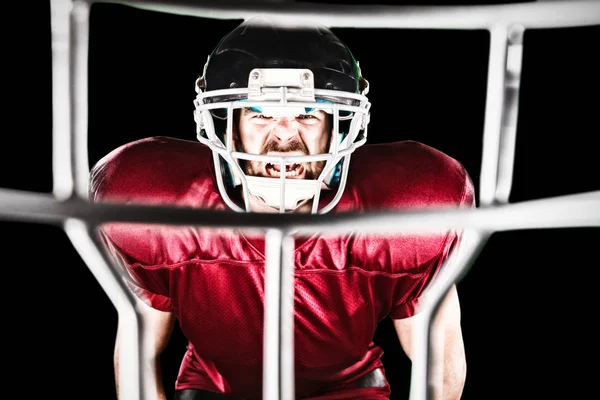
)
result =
(285, 129)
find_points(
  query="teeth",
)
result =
(288, 173)
(276, 173)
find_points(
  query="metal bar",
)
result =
(70, 42)
(60, 21)
(576, 210)
(70, 38)
(278, 342)
(134, 383)
(453, 269)
(79, 97)
(501, 111)
(529, 15)
(494, 102)
(510, 112)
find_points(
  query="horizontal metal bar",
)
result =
(577, 210)
(529, 15)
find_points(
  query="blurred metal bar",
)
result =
(576, 210)
(453, 269)
(278, 341)
(133, 382)
(79, 97)
(510, 112)
(494, 102)
(501, 112)
(529, 15)
(70, 39)
(62, 172)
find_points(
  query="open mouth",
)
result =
(292, 171)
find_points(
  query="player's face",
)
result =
(305, 134)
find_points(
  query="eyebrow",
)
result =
(248, 110)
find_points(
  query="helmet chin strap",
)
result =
(297, 191)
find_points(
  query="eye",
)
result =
(261, 116)
(308, 119)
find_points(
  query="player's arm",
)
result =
(449, 367)
(159, 329)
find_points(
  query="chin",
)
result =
(259, 206)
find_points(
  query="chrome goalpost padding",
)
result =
(68, 205)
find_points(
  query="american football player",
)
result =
(282, 116)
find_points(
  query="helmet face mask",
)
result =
(278, 86)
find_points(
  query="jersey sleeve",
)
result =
(148, 286)
(116, 178)
(410, 290)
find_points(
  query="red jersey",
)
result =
(212, 279)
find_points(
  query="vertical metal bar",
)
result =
(278, 350)
(131, 376)
(455, 267)
(510, 112)
(70, 46)
(493, 114)
(60, 21)
(80, 35)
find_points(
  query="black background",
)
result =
(529, 301)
